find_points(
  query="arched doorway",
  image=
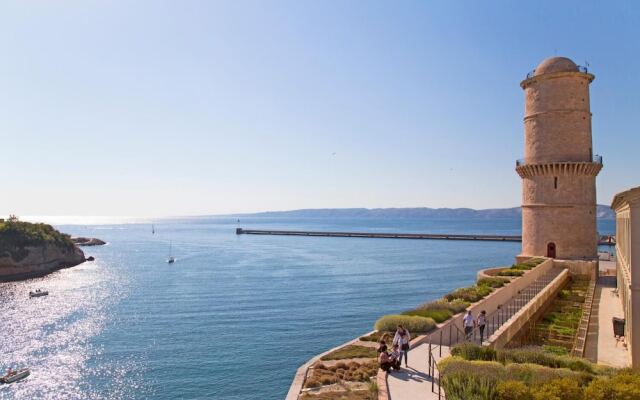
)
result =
(551, 250)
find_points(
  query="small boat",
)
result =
(14, 376)
(39, 293)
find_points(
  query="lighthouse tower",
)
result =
(559, 169)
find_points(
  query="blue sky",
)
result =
(152, 108)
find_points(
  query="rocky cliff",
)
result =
(31, 250)
(39, 261)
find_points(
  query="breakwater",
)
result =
(378, 235)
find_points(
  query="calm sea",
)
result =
(235, 316)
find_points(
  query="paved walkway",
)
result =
(602, 347)
(414, 382)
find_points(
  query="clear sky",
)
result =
(152, 108)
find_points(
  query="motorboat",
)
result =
(38, 293)
(14, 376)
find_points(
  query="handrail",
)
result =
(580, 340)
(596, 159)
(433, 367)
(579, 68)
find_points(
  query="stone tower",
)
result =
(559, 169)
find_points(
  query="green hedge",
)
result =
(470, 294)
(414, 324)
(464, 380)
(436, 315)
(510, 272)
(493, 282)
(525, 355)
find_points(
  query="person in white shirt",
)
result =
(469, 324)
(402, 338)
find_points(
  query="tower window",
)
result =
(555, 182)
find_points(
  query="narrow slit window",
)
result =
(555, 182)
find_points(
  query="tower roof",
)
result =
(556, 64)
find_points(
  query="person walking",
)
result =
(402, 339)
(482, 322)
(469, 323)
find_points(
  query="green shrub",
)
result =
(559, 389)
(540, 357)
(624, 385)
(524, 355)
(493, 282)
(458, 306)
(466, 380)
(536, 375)
(455, 306)
(510, 272)
(520, 267)
(469, 351)
(466, 386)
(436, 315)
(414, 324)
(512, 390)
(470, 294)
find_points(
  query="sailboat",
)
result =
(171, 259)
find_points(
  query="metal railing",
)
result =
(580, 68)
(505, 311)
(581, 334)
(596, 159)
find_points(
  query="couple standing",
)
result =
(470, 323)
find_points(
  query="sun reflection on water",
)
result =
(52, 334)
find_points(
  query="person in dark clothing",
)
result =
(482, 323)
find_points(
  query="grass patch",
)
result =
(351, 351)
(377, 335)
(342, 395)
(322, 375)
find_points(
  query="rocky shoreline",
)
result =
(84, 241)
(45, 259)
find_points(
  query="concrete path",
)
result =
(602, 347)
(414, 382)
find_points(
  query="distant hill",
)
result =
(603, 212)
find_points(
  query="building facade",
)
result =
(559, 168)
(627, 208)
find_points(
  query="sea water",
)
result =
(234, 316)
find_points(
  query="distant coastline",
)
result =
(602, 212)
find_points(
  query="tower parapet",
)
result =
(559, 168)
